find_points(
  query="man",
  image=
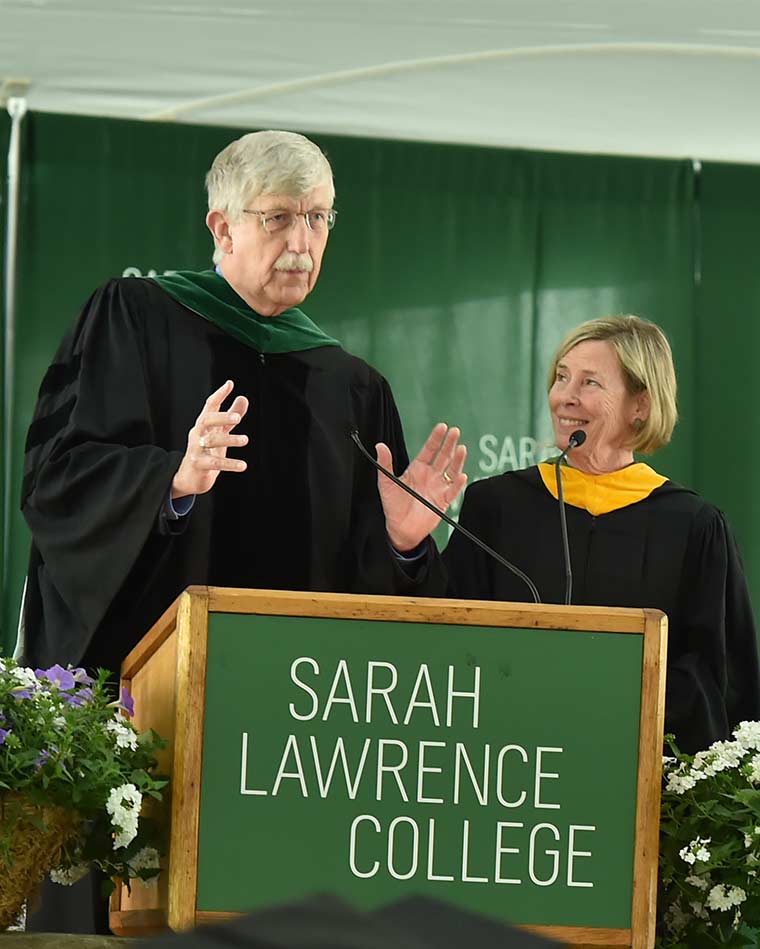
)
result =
(131, 494)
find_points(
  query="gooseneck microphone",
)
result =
(445, 517)
(577, 438)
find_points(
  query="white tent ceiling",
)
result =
(672, 78)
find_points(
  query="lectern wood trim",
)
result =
(649, 784)
(192, 633)
(423, 610)
(578, 936)
(137, 922)
(151, 642)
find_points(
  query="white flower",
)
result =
(127, 834)
(754, 774)
(679, 783)
(124, 805)
(123, 734)
(717, 898)
(699, 911)
(748, 735)
(700, 882)
(696, 850)
(724, 898)
(720, 756)
(68, 876)
(145, 859)
(59, 721)
(24, 676)
(737, 895)
(676, 919)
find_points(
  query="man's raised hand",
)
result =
(207, 444)
(436, 473)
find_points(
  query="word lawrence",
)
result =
(516, 784)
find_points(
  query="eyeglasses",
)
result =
(318, 220)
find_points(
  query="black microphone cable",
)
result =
(444, 517)
(577, 438)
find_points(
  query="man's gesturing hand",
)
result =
(207, 444)
(436, 473)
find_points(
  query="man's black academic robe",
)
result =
(108, 435)
(670, 551)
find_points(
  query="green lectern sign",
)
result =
(495, 768)
(502, 757)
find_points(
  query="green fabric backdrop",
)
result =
(727, 343)
(4, 568)
(454, 270)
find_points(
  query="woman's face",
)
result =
(589, 394)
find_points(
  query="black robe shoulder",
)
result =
(672, 551)
(108, 434)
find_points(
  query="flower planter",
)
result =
(73, 772)
(32, 851)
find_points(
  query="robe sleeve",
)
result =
(463, 571)
(95, 481)
(468, 570)
(713, 680)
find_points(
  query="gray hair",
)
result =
(265, 163)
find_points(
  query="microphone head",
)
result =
(578, 437)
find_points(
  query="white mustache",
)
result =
(291, 261)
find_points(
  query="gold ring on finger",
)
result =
(446, 477)
(202, 443)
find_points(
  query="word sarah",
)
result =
(136, 272)
(399, 709)
(509, 454)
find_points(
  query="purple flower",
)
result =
(41, 758)
(81, 677)
(127, 702)
(21, 692)
(78, 698)
(58, 676)
(4, 732)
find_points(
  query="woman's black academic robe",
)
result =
(671, 551)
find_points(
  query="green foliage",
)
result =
(709, 889)
(66, 742)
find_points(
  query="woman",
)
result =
(636, 538)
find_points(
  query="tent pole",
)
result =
(16, 106)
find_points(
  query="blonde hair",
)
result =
(646, 361)
(259, 163)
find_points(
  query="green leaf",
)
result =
(749, 797)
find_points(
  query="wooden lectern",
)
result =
(503, 757)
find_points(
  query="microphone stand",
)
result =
(445, 517)
(576, 438)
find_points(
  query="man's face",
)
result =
(272, 271)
